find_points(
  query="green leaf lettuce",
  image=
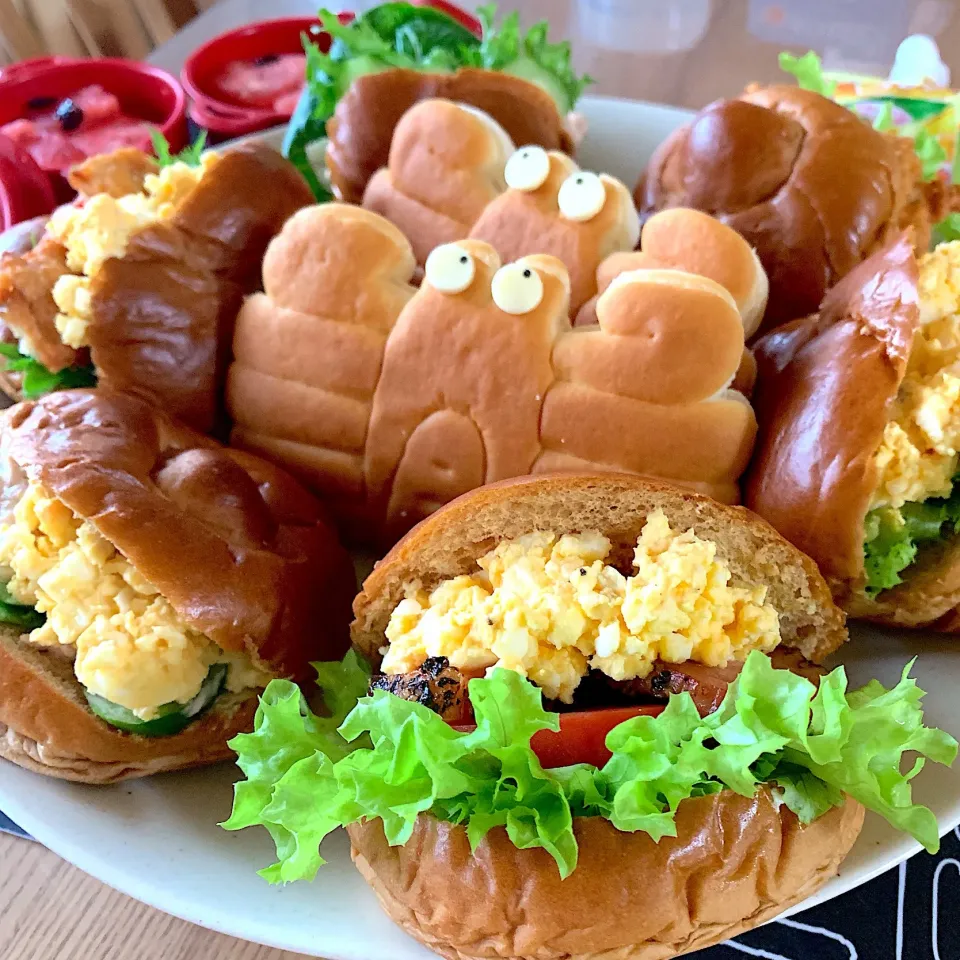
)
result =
(38, 380)
(393, 759)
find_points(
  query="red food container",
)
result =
(224, 118)
(144, 92)
(25, 190)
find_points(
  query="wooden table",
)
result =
(684, 52)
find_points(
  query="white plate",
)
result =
(157, 840)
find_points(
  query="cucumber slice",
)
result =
(171, 718)
(18, 614)
(528, 69)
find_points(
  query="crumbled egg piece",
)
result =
(550, 608)
(131, 646)
(100, 228)
(918, 455)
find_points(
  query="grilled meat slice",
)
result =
(435, 684)
(706, 685)
(118, 173)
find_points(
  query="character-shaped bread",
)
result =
(464, 375)
(684, 239)
(648, 390)
(553, 207)
(446, 164)
(308, 350)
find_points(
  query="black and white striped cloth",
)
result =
(910, 913)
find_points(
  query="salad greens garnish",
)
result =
(418, 38)
(18, 614)
(808, 70)
(894, 537)
(189, 155)
(38, 380)
(383, 757)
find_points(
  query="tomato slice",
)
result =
(582, 735)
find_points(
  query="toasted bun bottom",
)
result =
(734, 864)
(46, 725)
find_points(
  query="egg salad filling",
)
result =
(914, 501)
(550, 608)
(132, 648)
(100, 229)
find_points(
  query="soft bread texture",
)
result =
(308, 351)
(734, 864)
(164, 312)
(446, 164)
(825, 391)
(392, 401)
(450, 542)
(523, 222)
(683, 239)
(362, 126)
(807, 183)
(242, 552)
(47, 727)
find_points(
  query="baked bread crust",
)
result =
(734, 864)
(808, 183)
(362, 126)
(450, 542)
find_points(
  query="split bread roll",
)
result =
(155, 555)
(362, 127)
(735, 861)
(859, 432)
(139, 291)
(393, 400)
(806, 182)
(446, 164)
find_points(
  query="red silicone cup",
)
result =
(25, 190)
(144, 92)
(223, 118)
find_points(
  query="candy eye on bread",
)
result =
(859, 436)
(477, 375)
(155, 582)
(138, 291)
(807, 183)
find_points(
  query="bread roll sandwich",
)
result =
(154, 582)
(503, 806)
(860, 432)
(138, 291)
(392, 56)
(392, 400)
(812, 187)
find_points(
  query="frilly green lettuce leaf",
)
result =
(393, 759)
(38, 380)
(808, 69)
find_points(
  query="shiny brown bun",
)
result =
(163, 313)
(734, 864)
(242, 552)
(391, 400)
(446, 164)
(824, 393)
(450, 542)
(362, 127)
(806, 182)
(519, 223)
(735, 861)
(47, 727)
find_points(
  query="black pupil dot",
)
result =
(526, 273)
(463, 259)
(579, 180)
